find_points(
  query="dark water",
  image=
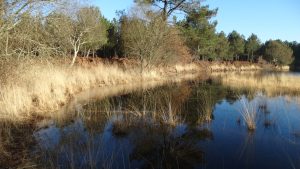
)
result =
(195, 124)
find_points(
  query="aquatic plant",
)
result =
(15, 139)
(169, 117)
(205, 107)
(248, 112)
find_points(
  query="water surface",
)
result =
(193, 124)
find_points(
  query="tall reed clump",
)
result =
(206, 107)
(248, 111)
(169, 117)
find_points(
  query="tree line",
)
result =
(150, 32)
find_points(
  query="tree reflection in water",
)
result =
(187, 125)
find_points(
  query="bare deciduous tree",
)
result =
(11, 12)
(151, 40)
(84, 29)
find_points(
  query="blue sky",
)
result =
(269, 19)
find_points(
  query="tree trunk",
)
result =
(115, 53)
(165, 14)
(88, 53)
(248, 57)
(74, 57)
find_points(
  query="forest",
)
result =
(150, 32)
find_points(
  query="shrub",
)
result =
(278, 53)
(151, 40)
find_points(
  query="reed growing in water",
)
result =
(248, 112)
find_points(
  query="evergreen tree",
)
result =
(168, 7)
(222, 47)
(252, 46)
(199, 32)
(236, 44)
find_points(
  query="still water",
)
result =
(193, 124)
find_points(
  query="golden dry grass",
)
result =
(186, 68)
(42, 88)
(231, 67)
(271, 84)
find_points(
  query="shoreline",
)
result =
(41, 90)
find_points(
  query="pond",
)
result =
(192, 124)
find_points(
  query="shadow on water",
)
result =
(193, 124)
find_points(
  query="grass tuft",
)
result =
(248, 112)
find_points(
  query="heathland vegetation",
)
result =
(149, 32)
(156, 87)
(50, 49)
(270, 84)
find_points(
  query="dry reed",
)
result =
(41, 88)
(248, 112)
(271, 84)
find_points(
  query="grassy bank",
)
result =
(38, 86)
(41, 87)
(238, 66)
(271, 84)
